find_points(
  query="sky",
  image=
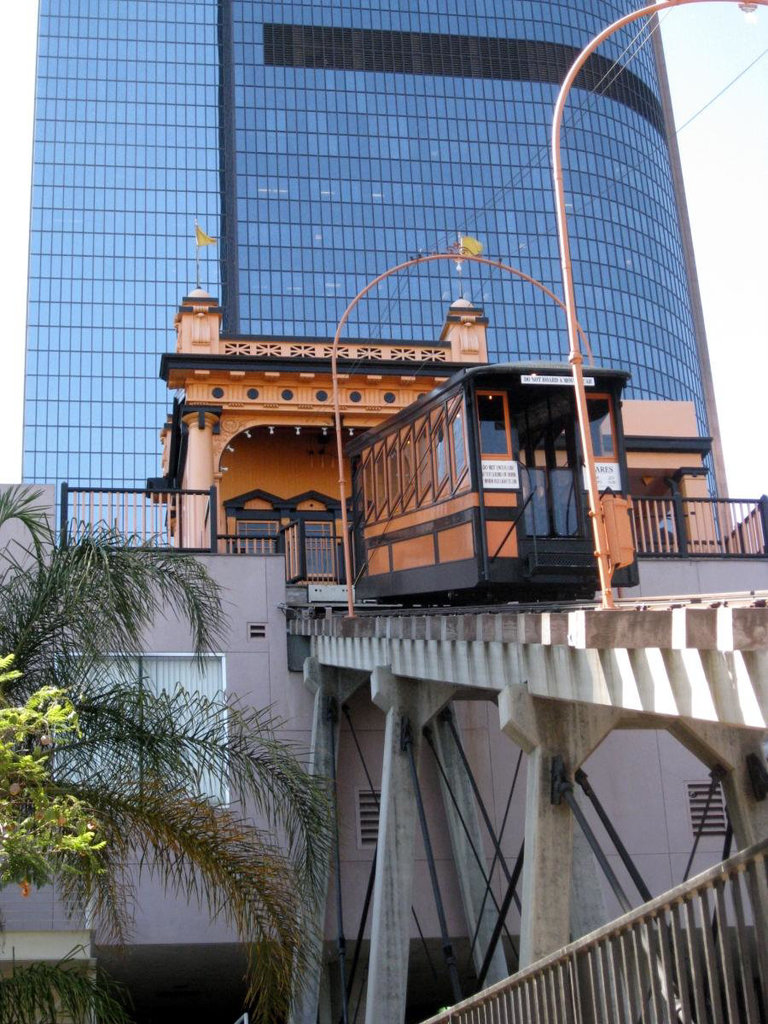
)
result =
(724, 151)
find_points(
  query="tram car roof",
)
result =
(608, 375)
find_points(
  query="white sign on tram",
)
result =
(608, 476)
(500, 475)
(551, 378)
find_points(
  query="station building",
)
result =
(249, 482)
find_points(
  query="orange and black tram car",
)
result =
(477, 491)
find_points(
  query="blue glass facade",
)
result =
(126, 156)
(324, 144)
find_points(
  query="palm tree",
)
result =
(140, 759)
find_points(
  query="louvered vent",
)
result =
(257, 630)
(367, 817)
(715, 822)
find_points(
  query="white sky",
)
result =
(725, 162)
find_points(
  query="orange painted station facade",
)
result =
(256, 419)
(252, 431)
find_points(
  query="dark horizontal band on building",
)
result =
(425, 53)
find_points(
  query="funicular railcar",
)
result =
(477, 493)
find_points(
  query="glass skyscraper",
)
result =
(322, 144)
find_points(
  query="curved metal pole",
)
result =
(335, 377)
(574, 355)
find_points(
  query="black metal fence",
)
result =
(673, 527)
(700, 527)
(181, 519)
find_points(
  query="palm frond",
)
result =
(142, 760)
(217, 860)
(178, 740)
(25, 506)
(69, 989)
(99, 597)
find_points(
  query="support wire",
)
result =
(582, 779)
(406, 746)
(448, 716)
(486, 878)
(495, 852)
(716, 776)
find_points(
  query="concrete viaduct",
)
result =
(562, 680)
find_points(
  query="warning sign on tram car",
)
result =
(550, 378)
(608, 476)
(500, 475)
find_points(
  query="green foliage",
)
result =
(43, 830)
(128, 765)
(68, 990)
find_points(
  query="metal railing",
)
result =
(312, 558)
(696, 955)
(674, 527)
(181, 519)
(187, 520)
(700, 527)
(243, 544)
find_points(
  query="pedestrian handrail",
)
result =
(698, 954)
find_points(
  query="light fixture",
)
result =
(298, 430)
(749, 11)
(248, 434)
(225, 469)
(271, 430)
(351, 431)
(230, 448)
(325, 431)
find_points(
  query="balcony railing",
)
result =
(699, 953)
(700, 527)
(181, 519)
(671, 527)
(244, 544)
(313, 553)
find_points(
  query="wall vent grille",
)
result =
(716, 821)
(257, 630)
(367, 817)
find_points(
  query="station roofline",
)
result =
(170, 361)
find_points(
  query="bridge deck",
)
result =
(705, 659)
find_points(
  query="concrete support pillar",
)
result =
(479, 911)
(729, 747)
(545, 728)
(399, 698)
(198, 476)
(326, 684)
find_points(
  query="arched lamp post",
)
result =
(432, 258)
(574, 355)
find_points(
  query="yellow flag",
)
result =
(471, 245)
(201, 238)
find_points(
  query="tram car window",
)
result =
(477, 492)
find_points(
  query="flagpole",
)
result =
(197, 257)
(201, 239)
